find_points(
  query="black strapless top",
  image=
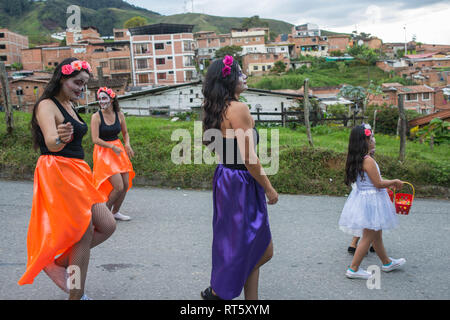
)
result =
(73, 149)
(231, 144)
(109, 132)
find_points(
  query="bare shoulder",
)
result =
(95, 116)
(46, 105)
(237, 106)
(369, 163)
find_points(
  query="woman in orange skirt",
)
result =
(113, 171)
(68, 215)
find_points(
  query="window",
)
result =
(188, 61)
(192, 91)
(411, 97)
(2, 46)
(189, 75)
(188, 45)
(160, 61)
(104, 64)
(159, 46)
(142, 63)
(255, 68)
(191, 100)
(2, 35)
(169, 58)
(3, 58)
(49, 63)
(140, 48)
(170, 72)
(143, 78)
(426, 96)
(118, 35)
(120, 64)
(161, 75)
(222, 39)
(169, 42)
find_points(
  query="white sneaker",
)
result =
(360, 274)
(119, 216)
(395, 264)
(85, 297)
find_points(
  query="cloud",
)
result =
(425, 17)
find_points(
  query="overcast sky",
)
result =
(427, 19)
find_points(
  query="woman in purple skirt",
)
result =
(242, 241)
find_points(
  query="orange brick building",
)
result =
(261, 63)
(11, 44)
(162, 54)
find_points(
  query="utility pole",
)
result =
(6, 98)
(306, 112)
(405, 41)
(402, 117)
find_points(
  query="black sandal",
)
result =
(351, 250)
(207, 294)
(372, 249)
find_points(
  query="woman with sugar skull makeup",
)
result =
(68, 215)
(113, 171)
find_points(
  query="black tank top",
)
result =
(106, 132)
(237, 163)
(73, 149)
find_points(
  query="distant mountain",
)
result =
(39, 19)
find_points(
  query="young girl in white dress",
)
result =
(368, 210)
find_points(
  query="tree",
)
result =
(278, 67)
(254, 22)
(135, 22)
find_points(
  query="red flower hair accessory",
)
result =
(78, 65)
(108, 91)
(228, 62)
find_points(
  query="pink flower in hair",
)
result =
(85, 65)
(228, 60)
(77, 65)
(226, 71)
(367, 132)
(67, 69)
(111, 93)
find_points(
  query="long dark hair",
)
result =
(218, 91)
(358, 147)
(52, 89)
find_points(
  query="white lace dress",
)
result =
(367, 207)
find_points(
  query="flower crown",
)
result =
(228, 62)
(367, 129)
(76, 65)
(108, 91)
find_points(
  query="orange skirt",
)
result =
(107, 163)
(63, 195)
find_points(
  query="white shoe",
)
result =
(395, 264)
(119, 216)
(360, 274)
(85, 297)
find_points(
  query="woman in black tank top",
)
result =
(68, 215)
(113, 171)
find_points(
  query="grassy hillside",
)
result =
(302, 170)
(40, 19)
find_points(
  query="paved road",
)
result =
(165, 251)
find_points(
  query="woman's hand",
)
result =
(117, 150)
(65, 132)
(272, 195)
(129, 151)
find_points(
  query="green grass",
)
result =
(302, 170)
(353, 75)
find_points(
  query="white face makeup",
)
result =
(242, 84)
(74, 87)
(104, 100)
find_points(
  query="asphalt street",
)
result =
(165, 251)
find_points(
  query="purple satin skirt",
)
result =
(241, 232)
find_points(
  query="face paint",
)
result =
(74, 87)
(104, 100)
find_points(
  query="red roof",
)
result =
(420, 56)
(427, 119)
